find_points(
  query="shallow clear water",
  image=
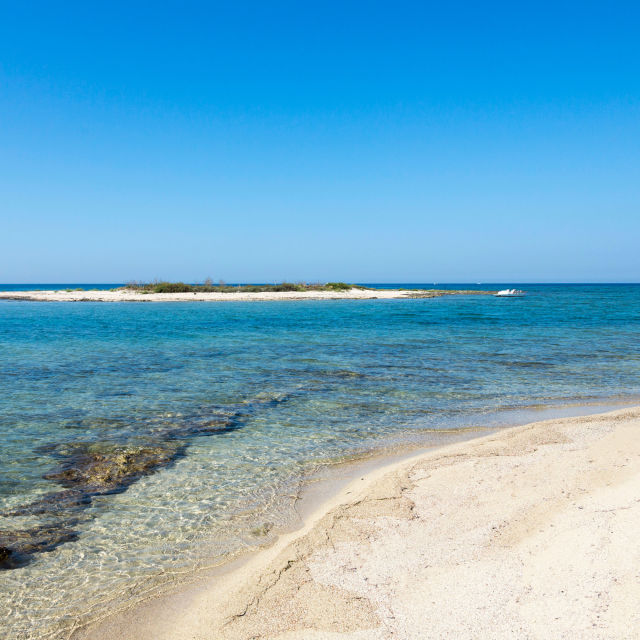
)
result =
(232, 403)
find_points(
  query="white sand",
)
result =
(529, 533)
(128, 295)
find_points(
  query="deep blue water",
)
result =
(237, 400)
(57, 286)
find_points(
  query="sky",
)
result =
(354, 141)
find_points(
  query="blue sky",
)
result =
(406, 142)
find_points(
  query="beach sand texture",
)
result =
(530, 533)
(129, 295)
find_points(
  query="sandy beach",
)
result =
(530, 533)
(129, 295)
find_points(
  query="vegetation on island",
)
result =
(221, 287)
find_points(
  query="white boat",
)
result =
(509, 293)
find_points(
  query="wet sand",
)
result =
(530, 532)
(129, 295)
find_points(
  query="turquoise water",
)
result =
(198, 420)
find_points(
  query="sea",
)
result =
(143, 443)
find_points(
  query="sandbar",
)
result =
(130, 295)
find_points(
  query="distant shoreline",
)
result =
(131, 295)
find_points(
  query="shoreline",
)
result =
(129, 295)
(202, 608)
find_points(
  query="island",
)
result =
(208, 292)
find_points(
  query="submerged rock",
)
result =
(86, 470)
(5, 557)
(100, 468)
(206, 426)
(16, 547)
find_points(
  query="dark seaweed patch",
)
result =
(17, 547)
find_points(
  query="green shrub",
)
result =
(173, 287)
(209, 287)
(285, 286)
(338, 286)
